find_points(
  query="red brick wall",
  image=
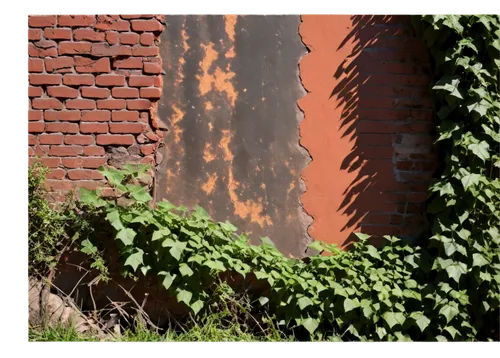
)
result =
(368, 126)
(93, 86)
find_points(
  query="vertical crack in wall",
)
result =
(304, 216)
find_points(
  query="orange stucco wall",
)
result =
(367, 126)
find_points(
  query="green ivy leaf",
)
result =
(135, 259)
(196, 306)
(448, 311)
(168, 279)
(263, 300)
(311, 324)
(177, 249)
(349, 304)
(303, 302)
(449, 84)
(452, 331)
(480, 150)
(393, 318)
(456, 270)
(126, 236)
(185, 270)
(469, 180)
(421, 320)
(184, 296)
(479, 260)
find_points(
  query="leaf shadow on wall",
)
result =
(384, 101)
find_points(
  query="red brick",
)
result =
(36, 127)
(124, 92)
(138, 104)
(48, 162)
(41, 150)
(87, 184)
(72, 116)
(141, 81)
(58, 185)
(84, 174)
(125, 127)
(35, 65)
(42, 20)
(80, 162)
(80, 104)
(62, 127)
(51, 139)
(88, 65)
(152, 136)
(54, 64)
(112, 37)
(128, 63)
(106, 22)
(105, 50)
(35, 115)
(147, 39)
(31, 152)
(34, 51)
(47, 103)
(95, 92)
(148, 149)
(76, 20)
(62, 92)
(110, 80)
(93, 151)
(74, 48)
(94, 127)
(130, 16)
(65, 151)
(148, 160)
(57, 173)
(129, 38)
(116, 139)
(150, 92)
(145, 51)
(88, 35)
(34, 34)
(96, 116)
(57, 34)
(152, 68)
(146, 25)
(37, 79)
(129, 116)
(79, 139)
(78, 80)
(32, 140)
(35, 91)
(111, 104)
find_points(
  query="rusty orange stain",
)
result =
(182, 61)
(249, 208)
(209, 106)
(210, 126)
(223, 82)
(208, 154)
(209, 186)
(174, 121)
(230, 27)
(263, 186)
(205, 78)
(224, 145)
(290, 187)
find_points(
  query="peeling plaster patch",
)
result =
(174, 122)
(209, 186)
(208, 154)
(206, 79)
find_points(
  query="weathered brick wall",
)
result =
(93, 86)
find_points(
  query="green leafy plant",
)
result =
(465, 200)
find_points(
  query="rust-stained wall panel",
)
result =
(229, 101)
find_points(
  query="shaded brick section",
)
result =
(76, 91)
